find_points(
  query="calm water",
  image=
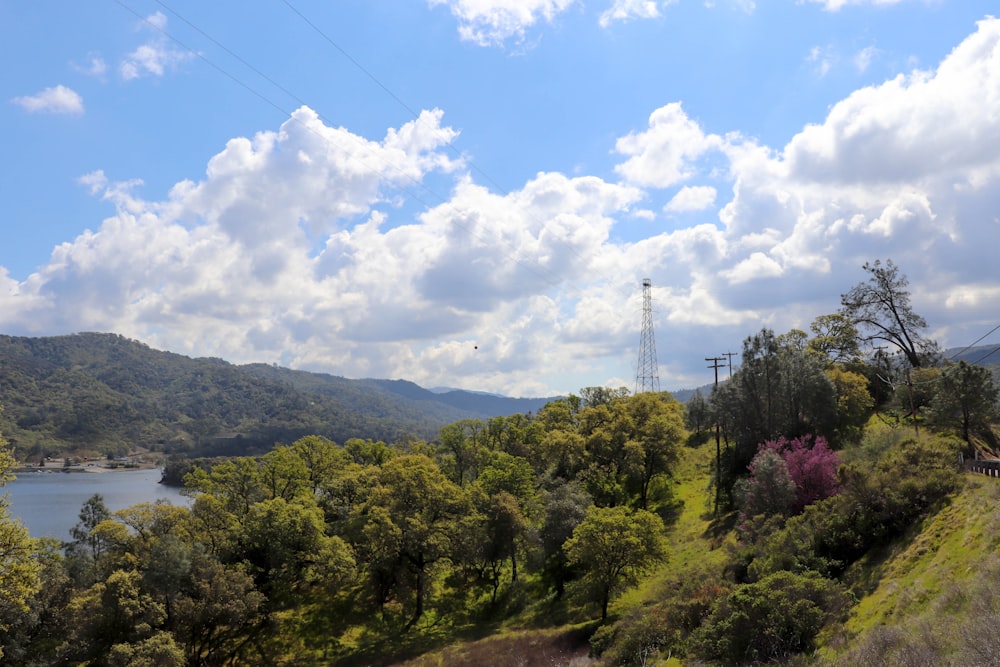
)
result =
(48, 503)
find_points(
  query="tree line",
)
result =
(317, 552)
(404, 536)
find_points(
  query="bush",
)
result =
(772, 619)
(874, 507)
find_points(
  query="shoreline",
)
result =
(96, 468)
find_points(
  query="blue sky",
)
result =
(469, 193)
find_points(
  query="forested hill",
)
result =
(108, 393)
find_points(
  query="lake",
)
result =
(48, 503)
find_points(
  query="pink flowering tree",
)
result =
(812, 466)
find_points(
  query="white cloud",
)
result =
(665, 153)
(56, 99)
(824, 59)
(626, 10)
(493, 22)
(692, 198)
(95, 67)
(836, 5)
(864, 58)
(155, 57)
(293, 247)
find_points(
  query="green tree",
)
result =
(236, 482)
(88, 547)
(880, 308)
(221, 607)
(368, 452)
(158, 650)
(407, 525)
(770, 620)
(658, 432)
(780, 389)
(284, 474)
(19, 567)
(565, 508)
(508, 501)
(322, 458)
(115, 611)
(462, 444)
(613, 546)
(966, 399)
(284, 543)
(697, 416)
(854, 403)
(835, 338)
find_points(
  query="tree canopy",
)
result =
(880, 308)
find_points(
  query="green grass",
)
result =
(928, 575)
(926, 580)
(692, 539)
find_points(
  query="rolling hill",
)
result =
(107, 393)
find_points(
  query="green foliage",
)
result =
(108, 393)
(407, 529)
(780, 389)
(875, 505)
(19, 569)
(854, 403)
(319, 554)
(612, 546)
(769, 620)
(966, 400)
(158, 650)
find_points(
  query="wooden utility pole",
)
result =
(718, 447)
(730, 355)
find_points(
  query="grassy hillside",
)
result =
(930, 597)
(924, 598)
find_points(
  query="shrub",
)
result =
(772, 619)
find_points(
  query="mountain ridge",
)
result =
(107, 393)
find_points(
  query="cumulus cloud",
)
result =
(155, 57)
(905, 169)
(692, 198)
(293, 247)
(56, 99)
(665, 153)
(493, 22)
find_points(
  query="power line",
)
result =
(973, 344)
(385, 88)
(535, 268)
(472, 165)
(988, 354)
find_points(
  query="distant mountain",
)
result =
(983, 355)
(107, 393)
(987, 356)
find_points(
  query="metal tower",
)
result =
(647, 377)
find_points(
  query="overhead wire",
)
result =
(535, 268)
(974, 343)
(472, 165)
(364, 70)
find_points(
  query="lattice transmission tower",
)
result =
(647, 377)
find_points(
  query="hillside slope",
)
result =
(107, 393)
(930, 598)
